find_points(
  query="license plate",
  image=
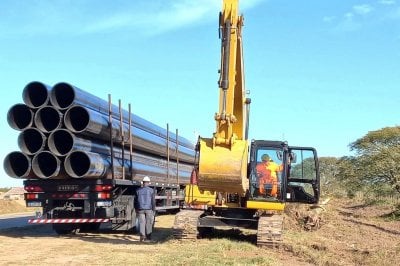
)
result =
(34, 204)
(68, 188)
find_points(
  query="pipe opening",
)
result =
(62, 95)
(45, 165)
(61, 142)
(20, 117)
(77, 164)
(17, 164)
(31, 141)
(35, 94)
(77, 119)
(48, 119)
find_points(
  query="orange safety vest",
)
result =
(268, 175)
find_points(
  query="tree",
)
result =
(339, 176)
(329, 171)
(378, 157)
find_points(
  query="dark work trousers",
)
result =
(146, 218)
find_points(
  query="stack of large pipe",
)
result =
(66, 132)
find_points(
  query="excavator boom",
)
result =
(223, 158)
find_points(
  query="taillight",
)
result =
(69, 196)
(104, 195)
(33, 189)
(100, 188)
(31, 196)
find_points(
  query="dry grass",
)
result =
(14, 206)
(44, 247)
(351, 234)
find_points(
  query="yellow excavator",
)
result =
(237, 182)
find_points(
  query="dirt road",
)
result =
(350, 234)
(15, 220)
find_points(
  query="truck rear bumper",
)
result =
(66, 221)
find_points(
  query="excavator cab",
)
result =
(280, 173)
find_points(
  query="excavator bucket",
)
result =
(223, 168)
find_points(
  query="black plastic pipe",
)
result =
(31, 141)
(18, 165)
(83, 120)
(36, 94)
(48, 119)
(83, 164)
(20, 116)
(46, 165)
(64, 96)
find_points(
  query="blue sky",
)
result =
(320, 73)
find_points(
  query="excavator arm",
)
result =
(223, 158)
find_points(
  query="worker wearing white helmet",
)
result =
(145, 207)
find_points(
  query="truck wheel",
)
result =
(90, 227)
(205, 232)
(65, 229)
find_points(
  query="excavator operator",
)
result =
(267, 172)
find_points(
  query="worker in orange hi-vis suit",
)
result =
(267, 171)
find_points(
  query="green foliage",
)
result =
(374, 140)
(339, 176)
(379, 156)
(4, 189)
(375, 167)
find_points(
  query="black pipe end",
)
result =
(77, 164)
(46, 165)
(76, 119)
(31, 141)
(20, 116)
(48, 119)
(16, 164)
(36, 94)
(62, 95)
(61, 142)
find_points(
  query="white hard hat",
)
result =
(146, 179)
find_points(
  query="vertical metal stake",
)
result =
(130, 142)
(121, 132)
(167, 153)
(177, 166)
(111, 137)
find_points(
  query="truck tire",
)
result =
(90, 227)
(65, 229)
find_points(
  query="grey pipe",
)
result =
(18, 165)
(61, 142)
(48, 119)
(83, 164)
(20, 116)
(64, 96)
(46, 165)
(83, 120)
(36, 94)
(31, 141)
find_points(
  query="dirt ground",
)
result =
(350, 234)
(13, 206)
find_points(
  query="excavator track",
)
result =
(185, 225)
(269, 232)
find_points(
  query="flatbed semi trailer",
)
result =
(77, 204)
